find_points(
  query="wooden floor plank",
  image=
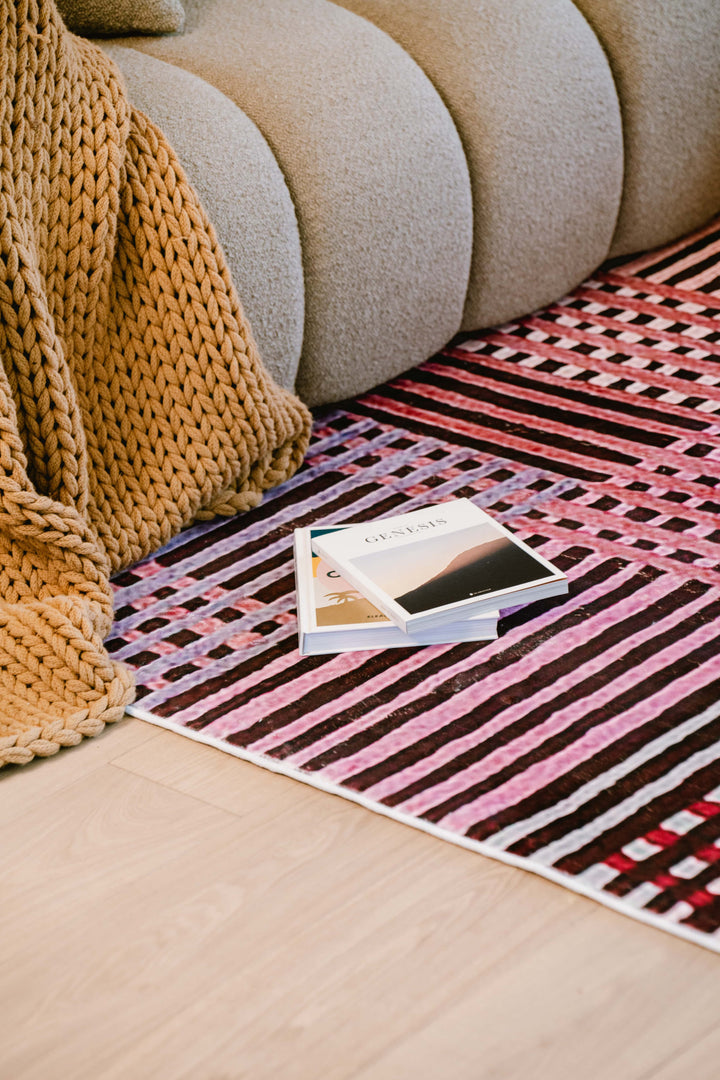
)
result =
(697, 1058)
(606, 999)
(206, 773)
(21, 786)
(179, 914)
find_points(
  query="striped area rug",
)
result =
(584, 744)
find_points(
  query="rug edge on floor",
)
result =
(566, 881)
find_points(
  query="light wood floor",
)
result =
(170, 912)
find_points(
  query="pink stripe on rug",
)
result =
(562, 719)
(634, 349)
(287, 694)
(643, 499)
(362, 693)
(651, 288)
(616, 518)
(554, 380)
(371, 687)
(647, 307)
(687, 263)
(620, 369)
(547, 771)
(649, 456)
(531, 740)
(650, 257)
(475, 430)
(548, 399)
(703, 278)
(501, 758)
(674, 337)
(462, 703)
(701, 571)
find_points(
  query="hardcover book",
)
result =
(333, 616)
(433, 566)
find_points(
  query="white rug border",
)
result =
(706, 941)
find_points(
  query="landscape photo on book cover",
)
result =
(449, 569)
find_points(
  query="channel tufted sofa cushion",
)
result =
(385, 173)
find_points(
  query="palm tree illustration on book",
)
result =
(342, 597)
(341, 606)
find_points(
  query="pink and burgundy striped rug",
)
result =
(584, 744)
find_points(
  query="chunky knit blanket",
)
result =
(132, 399)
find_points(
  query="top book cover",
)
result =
(440, 563)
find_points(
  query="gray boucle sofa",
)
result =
(385, 173)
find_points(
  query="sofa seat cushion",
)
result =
(375, 169)
(665, 58)
(243, 191)
(533, 98)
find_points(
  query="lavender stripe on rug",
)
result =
(583, 744)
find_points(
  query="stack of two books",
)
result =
(430, 577)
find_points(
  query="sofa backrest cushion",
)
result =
(99, 18)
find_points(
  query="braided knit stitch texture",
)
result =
(132, 398)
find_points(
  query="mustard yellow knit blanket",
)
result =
(132, 399)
